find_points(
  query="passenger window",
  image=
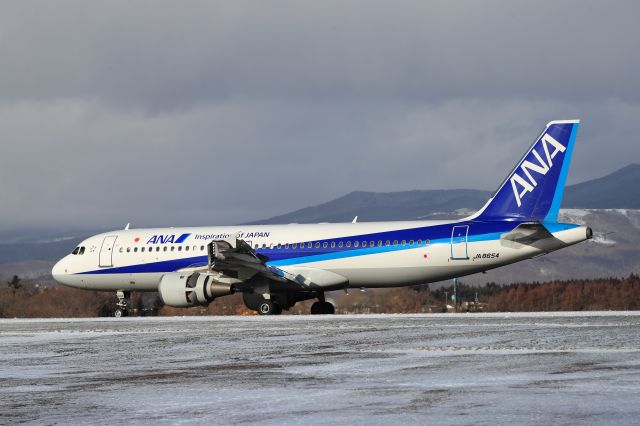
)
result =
(264, 246)
(128, 249)
(158, 248)
(309, 245)
(121, 250)
(426, 242)
(364, 244)
(404, 242)
(201, 248)
(349, 243)
(410, 242)
(135, 249)
(294, 246)
(173, 248)
(325, 245)
(379, 243)
(333, 244)
(340, 244)
(279, 246)
(179, 248)
(419, 242)
(186, 248)
(372, 243)
(318, 244)
(395, 242)
(387, 243)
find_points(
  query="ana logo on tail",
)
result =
(521, 185)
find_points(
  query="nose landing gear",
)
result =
(123, 303)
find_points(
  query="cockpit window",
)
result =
(76, 250)
(81, 250)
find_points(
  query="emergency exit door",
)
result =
(106, 251)
(459, 236)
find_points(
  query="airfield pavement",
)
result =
(362, 369)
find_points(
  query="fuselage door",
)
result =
(106, 251)
(459, 242)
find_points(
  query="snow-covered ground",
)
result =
(378, 369)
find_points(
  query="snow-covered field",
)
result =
(378, 369)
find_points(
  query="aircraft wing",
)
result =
(236, 258)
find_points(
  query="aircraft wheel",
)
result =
(266, 308)
(120, 313)
(322, 308)
(329, 309)
(316, 308)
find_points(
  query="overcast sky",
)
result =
(195, 113)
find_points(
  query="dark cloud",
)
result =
(222, 112)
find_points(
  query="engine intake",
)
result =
(183, 290)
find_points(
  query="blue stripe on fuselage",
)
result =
(437, 234)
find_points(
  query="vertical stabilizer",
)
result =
(533, 190)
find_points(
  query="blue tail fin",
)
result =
(533, 190)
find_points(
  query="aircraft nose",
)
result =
(58, 272)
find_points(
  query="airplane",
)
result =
(276, 266)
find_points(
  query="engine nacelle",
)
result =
(184, 290)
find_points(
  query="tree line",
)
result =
(32, 299)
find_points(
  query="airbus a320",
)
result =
(276, 266)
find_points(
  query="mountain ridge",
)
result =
(617, 190)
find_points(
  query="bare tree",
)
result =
(14, 284)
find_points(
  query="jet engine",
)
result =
(184, 290)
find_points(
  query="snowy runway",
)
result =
(375, 369)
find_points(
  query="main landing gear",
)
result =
(267, 307)
(122, 305)
(322, 307)
(266, 303)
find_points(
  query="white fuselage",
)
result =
(376, 254)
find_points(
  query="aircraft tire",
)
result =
(329, 309)
(277, 309)
(316, 308)
(322, 308)
(266, 308)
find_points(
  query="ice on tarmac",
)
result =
(365, 369)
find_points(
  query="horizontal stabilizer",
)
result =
(527, 233)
